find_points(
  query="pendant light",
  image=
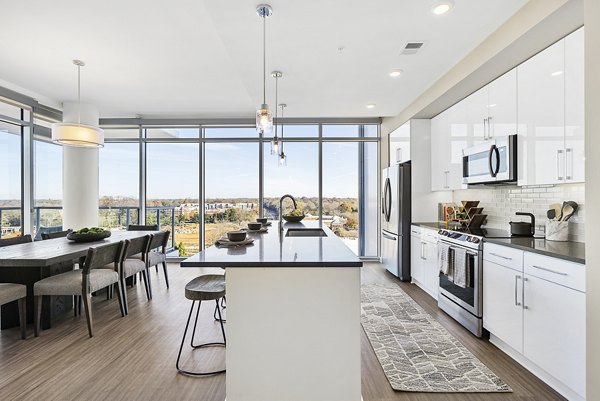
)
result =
(282, 155)
(275, 142)
(78, 134)
(264, 117)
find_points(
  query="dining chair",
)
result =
(10, 292)
(135, 254)
(58, 234)
(90, 278)
(158, 252)
(23, 239)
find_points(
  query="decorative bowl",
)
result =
(236, 236)
(293, 219)
(254, 226)
(91, 237)
(262, 220)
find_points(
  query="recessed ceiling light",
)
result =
(396, 73)
(492, 105)
(370, 106)
(557, 73)
(442, 7)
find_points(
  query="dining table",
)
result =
(30, 262)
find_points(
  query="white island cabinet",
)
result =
(293, 316)
(534, 309)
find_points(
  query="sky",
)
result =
(173, 169)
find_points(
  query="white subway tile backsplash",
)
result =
(501, 204)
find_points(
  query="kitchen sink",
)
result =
(305, 232)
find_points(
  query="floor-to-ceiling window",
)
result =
(231, 187)
(173, 192)
(299, 177)
(14, 125)
(48, 195)
(10, 177)
(119, 183)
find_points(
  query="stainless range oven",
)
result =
(463, 303)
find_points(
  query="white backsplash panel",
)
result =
(501, 203)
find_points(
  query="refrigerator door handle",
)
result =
(388, 206)
(388, 236)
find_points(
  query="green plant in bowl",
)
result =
(294, 216)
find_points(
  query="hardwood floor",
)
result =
(133, 358)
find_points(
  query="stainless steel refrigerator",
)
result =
(396, 220)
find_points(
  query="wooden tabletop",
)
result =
(52, 251)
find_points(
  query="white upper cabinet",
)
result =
(551, 114)
(400, 144)
(449, 136)
(574, 108)
(476, 106)
(502, 105)
(541, 105)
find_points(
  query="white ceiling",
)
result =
(202, 58)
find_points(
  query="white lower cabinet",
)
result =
(502, 307)
(554, 331)
(535, 306)
(424, 266)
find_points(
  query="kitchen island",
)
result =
(293, 315)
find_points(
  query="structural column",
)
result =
(80, 173)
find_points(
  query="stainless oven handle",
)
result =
(500, 256)
(550, 270)
(517, 303)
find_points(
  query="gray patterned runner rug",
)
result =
(415, 351)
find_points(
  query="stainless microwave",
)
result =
(493, 161)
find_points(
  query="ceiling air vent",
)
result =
(411, 48)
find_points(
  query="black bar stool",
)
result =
(210, 287)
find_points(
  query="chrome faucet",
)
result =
(281, 208)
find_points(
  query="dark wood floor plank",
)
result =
(133, 358)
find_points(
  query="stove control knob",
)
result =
(475, 240)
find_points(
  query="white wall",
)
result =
(592, 168)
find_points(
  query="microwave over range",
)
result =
(493, 161)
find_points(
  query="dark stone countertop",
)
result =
(274, 249)
(568, 250)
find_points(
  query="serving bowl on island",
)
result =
(236, 236)
(293, 218)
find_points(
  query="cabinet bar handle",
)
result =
(423, 251)
(523, 293)
(517, 303)
(550, 270)
(500, 256)
(491, 132)
(485, 129)
(569, 151)
(559, 152)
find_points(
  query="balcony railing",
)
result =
(125, 215)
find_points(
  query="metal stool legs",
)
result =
(220, 319)
(199, 345)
